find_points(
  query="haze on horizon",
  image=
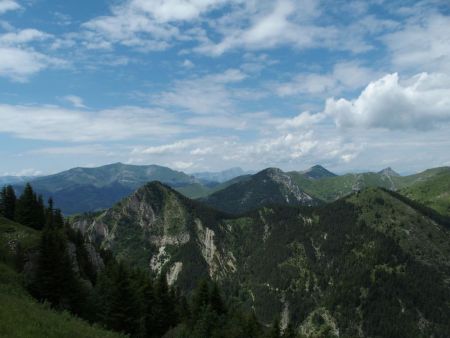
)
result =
(205, 85)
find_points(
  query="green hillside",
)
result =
(20, 315)
(433, 191)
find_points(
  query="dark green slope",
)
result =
(346, 267)
(317, 172)
(270, 186)
(373, 257)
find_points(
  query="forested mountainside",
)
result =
(270, 186)
(339, 269)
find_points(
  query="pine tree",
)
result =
(49, 213)
(252, 329)
(122, 313)
(55, 279)
(274, 331)
(8, 202)
(148, 309)
(200, 299)
(289, 332)
(216, 301)
(164, 307)
(30, 209)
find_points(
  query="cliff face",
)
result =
(159, 229)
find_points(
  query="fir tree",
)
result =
(8, 202)
(30, 209)
(216, 301)
(274, 331)
(55, 280)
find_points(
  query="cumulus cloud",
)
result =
(421, 102)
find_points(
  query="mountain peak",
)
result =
(317, 171)
(271, 172)
(388, 172)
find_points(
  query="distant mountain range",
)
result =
(221, 176)
(90, 189)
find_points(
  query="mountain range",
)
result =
(355, 255)
(330, 270)
(91, 189)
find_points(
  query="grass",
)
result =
(23, 317)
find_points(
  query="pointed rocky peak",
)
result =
(270, 172)
(388, 172)
(317, 171)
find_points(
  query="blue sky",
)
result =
(210, 84)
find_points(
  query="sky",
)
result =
(204, 85)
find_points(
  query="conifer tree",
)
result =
(55, 280)
(122, 313)
(289, 332)
(274, 331)
(30, 209)
(216, 301)
(8, 202)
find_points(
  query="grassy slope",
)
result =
(12, 233)
(433, 191)
(20, 315)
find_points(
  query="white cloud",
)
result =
(422, 44)
(89, 149)
(182, 165)
(420, 102)
(172, 148)
(8, 5)
(344, 76)
(252, 25)
(75, 101)
(58, 124)
(188, 64)
(23, 36)
(147, 25)
(202, 95)
(19, 64)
